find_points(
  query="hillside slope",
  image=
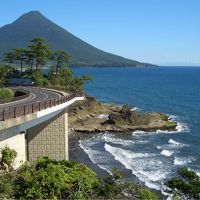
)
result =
(34, 24)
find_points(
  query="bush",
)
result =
(146, 194)
(6, 93)
(6, 185)
(52, 179)
(37, 78)
(4, 71)
(8, 156)
(187, 184)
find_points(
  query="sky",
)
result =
(165, 32)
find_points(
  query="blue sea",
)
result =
(151, 158)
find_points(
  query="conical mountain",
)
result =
(34, 24)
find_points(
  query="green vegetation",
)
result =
(4, 74)
(60, 57)
(39, 50)
(186, 185)
(35, 57)
(51, 179)
(15, 35)
(6, 93)
(146, 194)
(170, 124)
(8, 156)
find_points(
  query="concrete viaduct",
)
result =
(37, 125)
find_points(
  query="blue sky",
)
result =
(156, 31)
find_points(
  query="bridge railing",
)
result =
(35, 107)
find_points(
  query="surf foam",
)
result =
(181, 127)
(149, 169)
(167, 153)
(172, 144)
(113, 139)
(183, 160)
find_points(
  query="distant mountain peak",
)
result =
(34, 24)
(31, 16)
(32, 13)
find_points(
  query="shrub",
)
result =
(4, 71)
(146, 194)
(6, 185)
(52, 179)
(8, 156)
(187, 184)
(6, 93)
(37, 78)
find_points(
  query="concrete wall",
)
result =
(15, 140)
(49, 138)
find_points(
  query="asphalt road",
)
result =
(36, 95)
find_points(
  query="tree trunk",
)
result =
(31, 66)
(21, 66)
(57, 69)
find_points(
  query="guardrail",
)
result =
(35, 107)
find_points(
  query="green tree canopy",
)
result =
(60, 57)
(19, 55)
(9, 57)
(40, 50)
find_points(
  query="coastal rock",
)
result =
(90, 116)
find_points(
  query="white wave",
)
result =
(172, 144)
(167, 153)
(125, 153)
(171, 141)
(183, 161)
(140, 133)
(103, 116)
(97, 157)
(113, 139)
(175, 143)
(141, 141)
(145, 166)
(134, 109)
(181, 127)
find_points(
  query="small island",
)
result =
(90, 116)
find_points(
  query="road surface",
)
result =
(36, 95)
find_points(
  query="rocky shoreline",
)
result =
(90, 116)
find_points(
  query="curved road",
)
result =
(36, 95)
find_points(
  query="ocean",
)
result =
(150, 158)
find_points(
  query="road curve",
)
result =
(36, 95)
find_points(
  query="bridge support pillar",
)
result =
(14, 139)
(49, 138)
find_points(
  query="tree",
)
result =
(9, 57)
(40, 50)
(60, 57)
(19, 54)
(30, 59)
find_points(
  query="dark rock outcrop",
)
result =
(91, 116)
